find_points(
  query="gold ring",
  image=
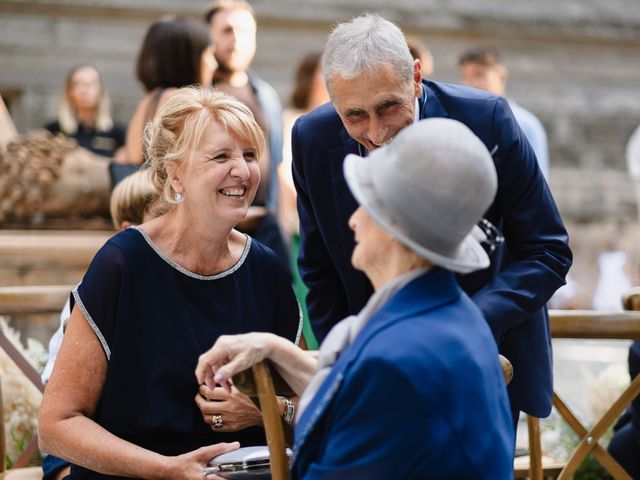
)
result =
(216, 421)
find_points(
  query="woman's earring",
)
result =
(178, 197)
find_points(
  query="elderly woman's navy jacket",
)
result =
(419, 394)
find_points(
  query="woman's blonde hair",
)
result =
(66, 114)
(131, 198)
(178, 127)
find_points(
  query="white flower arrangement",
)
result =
(21, 399)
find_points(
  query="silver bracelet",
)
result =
(289, 410)
(210, 470)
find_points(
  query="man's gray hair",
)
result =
(364, 44)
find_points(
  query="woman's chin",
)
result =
(355, 260)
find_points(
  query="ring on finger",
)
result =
(216, 421)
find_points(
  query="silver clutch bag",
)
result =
(244, 463)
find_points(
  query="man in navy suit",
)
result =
(376, 90)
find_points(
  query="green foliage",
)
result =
(561, 440)
(590, 469)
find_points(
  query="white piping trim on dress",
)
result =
(301, 320)
(92, 324)
(189, 273)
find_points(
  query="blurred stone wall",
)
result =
(574, 63)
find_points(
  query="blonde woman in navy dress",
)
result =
(120, 401)
(410, 387)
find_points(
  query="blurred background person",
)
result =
(309, 92)
(120, 400)
(176, 52)
(84, 113)
(419, 51)
(633, 164)
(233, 26)
(482, 68)
(614, 275)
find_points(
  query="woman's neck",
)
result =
(86, 117)
(397, 263)
(198, 246)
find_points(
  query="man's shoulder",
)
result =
(456, 92)
(458, 98)
(323, 120)
(484, 113)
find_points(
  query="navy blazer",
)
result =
(402, 403)
(524, 272)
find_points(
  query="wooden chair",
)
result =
(587, 324)
(263, 383)
(535, 466)
(33, 299)
(19, 300)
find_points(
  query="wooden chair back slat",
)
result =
(258, 382)
(535, 448)
(245, 382)
(52, 246)
(33, 299)
(272, 421)
(595, 325)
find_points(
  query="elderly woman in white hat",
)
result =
(411, 387)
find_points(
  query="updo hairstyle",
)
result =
(178, 127)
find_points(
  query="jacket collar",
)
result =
(431, 107)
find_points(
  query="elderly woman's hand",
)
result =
(232, 354)
(227, 412)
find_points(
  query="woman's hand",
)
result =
(190, 466)
(121, 156)
(234, 411)
(232, 354)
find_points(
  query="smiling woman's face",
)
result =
(373, 243)
(222, 178)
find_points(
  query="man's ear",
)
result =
(417, 76)
(503, 74)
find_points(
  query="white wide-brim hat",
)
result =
(428, 189)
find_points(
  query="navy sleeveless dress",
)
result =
(154, 318)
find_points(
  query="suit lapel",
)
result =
(345, 203)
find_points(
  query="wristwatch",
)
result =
(289, 410)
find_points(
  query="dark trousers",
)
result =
(625, 444)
